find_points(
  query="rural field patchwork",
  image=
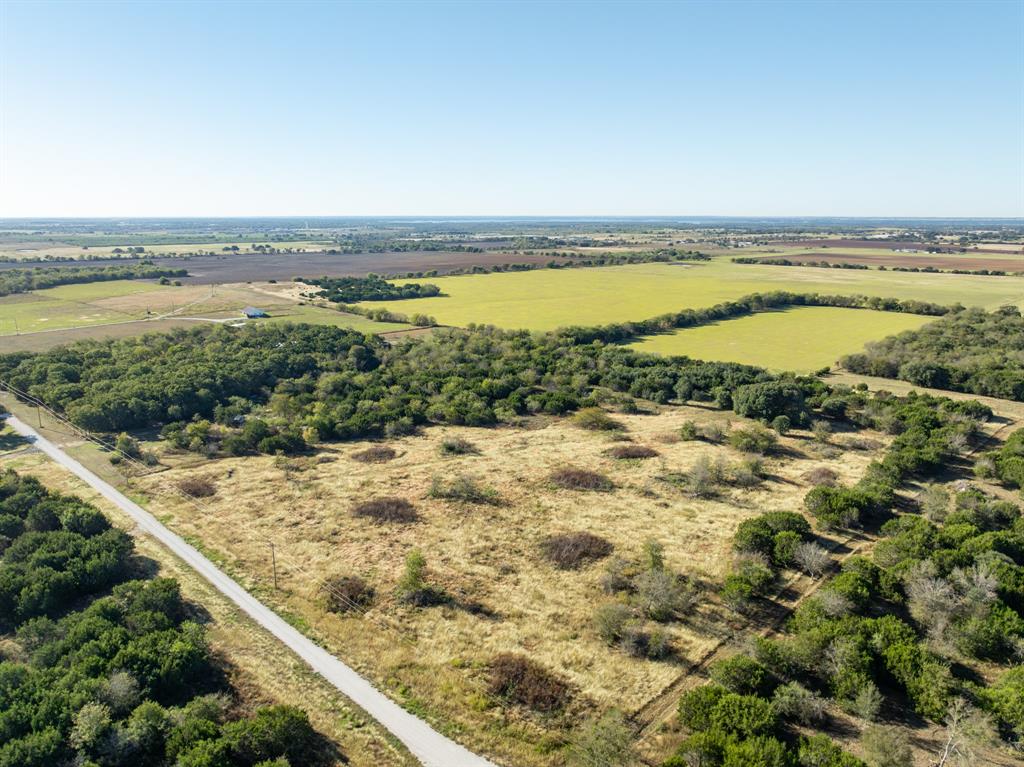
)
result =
(545, 299)
(802, 339)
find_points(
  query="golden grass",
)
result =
(261, 669)
(489, 555)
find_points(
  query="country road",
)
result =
(430, 747)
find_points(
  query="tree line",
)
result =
(105, 667)
(970, 351)
(349, 290)
(23, 280)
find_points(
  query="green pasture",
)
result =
(315, 315)
(544, 299)
(802, 339)
(70, 306)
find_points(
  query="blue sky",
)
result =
(729, 108)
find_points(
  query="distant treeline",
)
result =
(881, 267)
(347, 290)
(24, 280)
(972, 351)
(105, 667)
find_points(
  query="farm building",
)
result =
(253, 313)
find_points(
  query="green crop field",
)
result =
(544, 299)
(803, 339)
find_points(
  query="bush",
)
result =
(605, 742)
(465, 489)
(822, 475)
(662, 595)
(812, 558)
(197, 487)
(412, 587)
(762, 535)
(745, 715)
(374, 454)
(835, 507)
(458, 446)
(386, 510)
(610, 621)
(765, 401)
(794, 701)
(595, 419)
(741, 674)
(343, 593)
(755, 439)
(631, 452)
(520, 680)
(570, 478)
(570, 551)
(886, 747)
(697, 706)
(781, 424)
(688, 431)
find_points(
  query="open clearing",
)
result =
(505, 595)
(802, 339)
(130, 307)
(548, 298)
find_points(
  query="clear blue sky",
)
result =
(811, 108)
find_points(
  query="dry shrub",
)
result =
(570, 478)
(595, 419)
(569, 551)
(628, 452)
(374, 454)
(822, 475)
(523, 681)
(386, 510)
(343, 593)
(197, 487)
(458, 446)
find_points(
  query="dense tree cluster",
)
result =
(113, 681)
(935, 590)
(350, 290)
(970, 351)
(24, 280)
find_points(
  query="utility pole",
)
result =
(273, 559)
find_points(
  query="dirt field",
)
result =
(1004, 263)
(505, 595)
(208, 270)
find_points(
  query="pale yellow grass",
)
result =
(434, 658)
(261, 669)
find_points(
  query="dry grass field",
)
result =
(504, 595)
(258, 666)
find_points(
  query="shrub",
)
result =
(386, 510)
(935, 502)
(886, 747)
(704, 477)
(569, 551)
(812, 558)
(741, 674)
(412, 587)
(610, 621)
(697, 705)
(458, 446)
(755, 439)
(197, 487)
(822, 475)
(520, 680)
(781, 424)
(765, 401)
(712, 432)
(761, 534)
(343, 593)
(631, 452)
(662, 595)
(784, 549)
(605, 742)
(819, 751)
(835, 507)
(570, 478)
(374, 454)
(745, 715)
(465, 489)
(748, 473)
(688, 431)
(794, 701)
(595, 419)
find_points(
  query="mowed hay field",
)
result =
(133, 301)
(545, 299)
(506, 596)
(802, 339)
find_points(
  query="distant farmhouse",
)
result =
(253, 313)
